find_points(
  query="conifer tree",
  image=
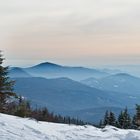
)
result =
(112, 119)
(138, 115)
(23, 108)
(134, 120)
(124, 120)
(106, 118)
(6, 85)
(127, 119)
(121, 120)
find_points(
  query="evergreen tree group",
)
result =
(23, 108)
(123, 121)
(109, 119)
(6, 86)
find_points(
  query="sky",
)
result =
(70, 32)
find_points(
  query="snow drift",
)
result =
(15, 128)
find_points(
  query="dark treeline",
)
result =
(123, 120)
(22, 108)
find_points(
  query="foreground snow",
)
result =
(15, 128)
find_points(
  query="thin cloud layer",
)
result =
(65, 31)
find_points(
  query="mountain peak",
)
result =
(47, 64)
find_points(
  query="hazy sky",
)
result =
(70, 32)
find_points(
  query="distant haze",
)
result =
(72, 32)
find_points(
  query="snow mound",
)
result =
(15, 128)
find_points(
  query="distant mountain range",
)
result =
(121, 82)
(50, 70)
(66, 96)
(63, 93)
(63, 90)
(18, 72)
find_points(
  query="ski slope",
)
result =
(15, 128)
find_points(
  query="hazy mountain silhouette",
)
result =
(50, 70)
(121, 82)
(63, 95)
(18, 72)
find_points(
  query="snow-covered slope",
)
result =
(15, 128)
